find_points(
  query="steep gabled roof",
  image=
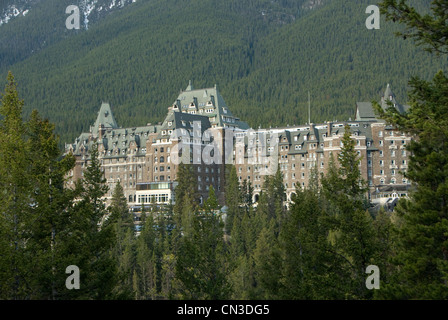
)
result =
(105, 118)
(364, 110)
(208, 102)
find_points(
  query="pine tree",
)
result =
(187, 201)
(422, 253)
(91, 237)
(51, 202)
(232, 198)
(124, 246)
(201, 258)
(267, 260)
(15, 197)
(146, 243)
(309, 269)
(351, 232)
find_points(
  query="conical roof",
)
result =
(105, 118)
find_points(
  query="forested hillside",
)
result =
(263, 55)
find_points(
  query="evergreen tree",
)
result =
(351, 231)
(309, 269)
(187, 200)
(124, 247)
(146, 243)
(232, 198)
(51, 201)
(15, 197)
(267, 264)
(91, 238)
(422, 259)
(201, 258)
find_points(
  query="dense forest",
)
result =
(319, 248)
(264, 55)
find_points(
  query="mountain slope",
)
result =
(264, 56)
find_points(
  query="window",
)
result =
(380, 133)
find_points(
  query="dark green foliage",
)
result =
(309, 269)
(91, 238)
(233, 198)
(428, 29)
(201, 258)
(421, 251)
(124, 246)
(421, 256)
(351, 231)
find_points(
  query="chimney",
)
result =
(101, 132)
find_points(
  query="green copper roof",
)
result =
(105, 118)
(207, 102)
(364, 110)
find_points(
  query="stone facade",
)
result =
(201, 130)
